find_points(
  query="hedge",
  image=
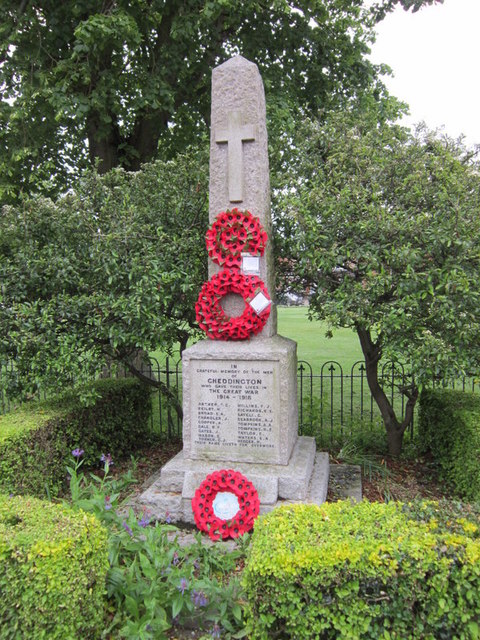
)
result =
(36, 441)
(449, 428)
(53, 565)
(364, 571)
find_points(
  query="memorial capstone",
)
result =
(240, 396)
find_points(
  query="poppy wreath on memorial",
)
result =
(211, 316)
(232, 233)
(225, 481)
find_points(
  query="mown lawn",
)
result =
(312, 345)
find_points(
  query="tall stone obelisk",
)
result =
(239, 171)
(240, 396)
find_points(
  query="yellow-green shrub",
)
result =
(36, 441)
(449, 428)
(53, 565)
(364, 571)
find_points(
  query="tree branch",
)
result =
(23, 7)
(158, 384)
(409, 409)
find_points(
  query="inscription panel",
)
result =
(234, 407)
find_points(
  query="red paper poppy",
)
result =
(215, 504)
(233, 233)
(212, 318)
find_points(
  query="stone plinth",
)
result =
(240, 401)
(304, 479)
(240, 412)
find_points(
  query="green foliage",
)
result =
(155, 583)
(380, 9)
(389, 238)
(53, 565)
(449, 428)
(32, 415)
(134, 76)
(39, 438)
(363, 571)
(110, 269)
(386, 235)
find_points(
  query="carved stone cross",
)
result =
(235, 135)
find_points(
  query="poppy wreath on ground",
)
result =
(211, 316)
(225, 505)
(232, 233)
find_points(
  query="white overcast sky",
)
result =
(435, 58)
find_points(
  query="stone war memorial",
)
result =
(240, 383)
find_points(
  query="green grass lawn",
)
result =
(313, 346)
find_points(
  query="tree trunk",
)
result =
(103, 150)
(106, 149)
(158, 384)
(395, 429)
(395, 441)
(145, 136)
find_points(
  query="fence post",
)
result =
(180, 394)
(332, 369)
(169, 411)
(301, 368)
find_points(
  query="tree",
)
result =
(103, 272)
(387, 232)
(132, 76)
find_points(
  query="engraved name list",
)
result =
(233, 405)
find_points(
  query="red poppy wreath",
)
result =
(232, 233)
(225, 505)
(212, 318)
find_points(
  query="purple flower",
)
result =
(78, 453)
(145, 521)
(182, 586)
(199, 599)
(107, 459)
(127, 528)
(216, 631)
(108, 504)
(176, 559)
(196, 564)
(168, 517)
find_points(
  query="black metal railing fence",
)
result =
(332, 403)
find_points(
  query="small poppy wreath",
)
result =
(232, 233)
(212, 318)
(225, 505)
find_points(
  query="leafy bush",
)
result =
(370, 570)
(53, 563)
(154, 583)
(36, 440)
(113, 267)
(450, 429)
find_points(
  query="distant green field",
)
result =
(313, 346)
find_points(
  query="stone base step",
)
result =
(304, 479)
